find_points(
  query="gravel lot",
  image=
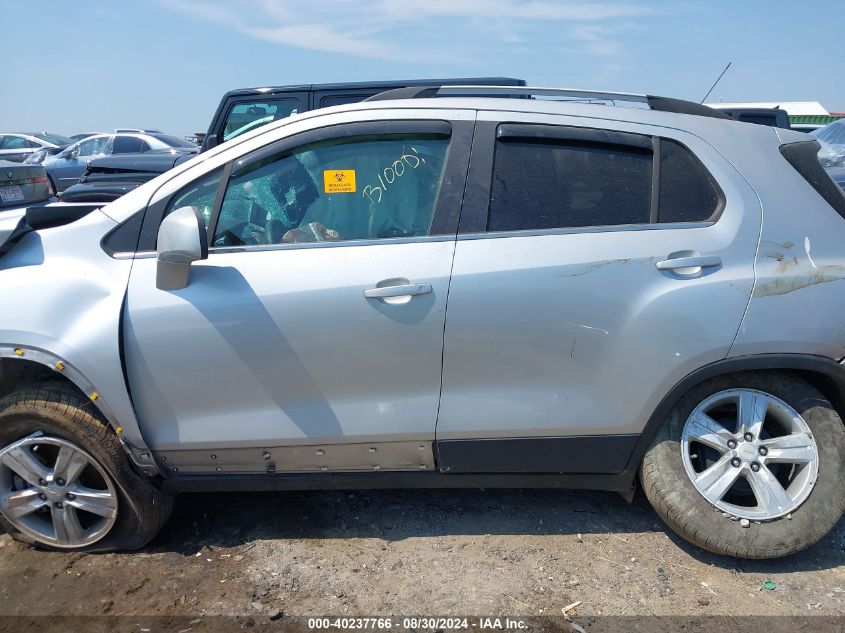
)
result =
(267, 557)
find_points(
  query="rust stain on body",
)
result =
(786, 284)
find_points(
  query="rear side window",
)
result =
(804, 158)
(622, 179)
(538, 185)
(127, 145)
(688, 192)
(342, 99)
(15, 142)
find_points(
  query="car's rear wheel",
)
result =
(65, 481)
(749, 465)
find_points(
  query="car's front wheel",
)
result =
(65, 481)
(749, 465)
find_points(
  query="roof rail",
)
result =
(662, 104)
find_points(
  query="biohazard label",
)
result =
(339, 180)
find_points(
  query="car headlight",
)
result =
(36, 158)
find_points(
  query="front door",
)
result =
(312, 336)
(603, 263)
(68, 167)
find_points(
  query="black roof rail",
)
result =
(661, 104)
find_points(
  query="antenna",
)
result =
(718, 79)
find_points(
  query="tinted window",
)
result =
(334, 100)
(687, 191)
(244, 117)
(172, 141)
(339, 190)
(127, 145)
(546, 185)
(14, 142)
(759, 119)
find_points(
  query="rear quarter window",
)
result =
(804, 159)
(688, 193)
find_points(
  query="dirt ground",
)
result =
(266, 557)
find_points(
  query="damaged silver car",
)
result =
(439, 288)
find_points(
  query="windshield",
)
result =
(173, 141)
(55, 139)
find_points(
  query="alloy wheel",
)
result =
(55, 492)
(749, 454)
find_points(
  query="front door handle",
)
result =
(692, 263)
(404, 290)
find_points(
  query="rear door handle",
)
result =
(405, 290)
(689, 262)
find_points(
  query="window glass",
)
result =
(687, 192)
(126, 145)
(546, 185)
(334, 100)
(94, 146)
(248, 116)
(172, 141)
(200, 193)
(365, 188)
(14, 142)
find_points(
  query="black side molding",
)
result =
(575, 454)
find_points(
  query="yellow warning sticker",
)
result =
(339, 180)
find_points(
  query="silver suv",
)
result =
(426, 290)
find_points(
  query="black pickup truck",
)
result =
(246, 109)
(240, 111)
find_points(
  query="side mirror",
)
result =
(181, 240)
(209, 142)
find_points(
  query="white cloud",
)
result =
(371, 28)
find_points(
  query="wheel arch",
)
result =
(825, 374)
(23, 365)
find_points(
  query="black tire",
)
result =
(687, 512)
(60, 411)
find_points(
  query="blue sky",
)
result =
(90, 65)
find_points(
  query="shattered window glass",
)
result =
(349, 189)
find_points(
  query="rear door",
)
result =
(66, 168)
(313, 332)
(601, 263)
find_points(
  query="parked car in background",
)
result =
(39, 156)
(773, 117)
(22, 184)
(84, 135)
(272, 315)
(65, 168)
(138, 130)
(109, 177)
(832, 139)
(17, 146)
(245, 109)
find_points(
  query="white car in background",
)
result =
(17, 146)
